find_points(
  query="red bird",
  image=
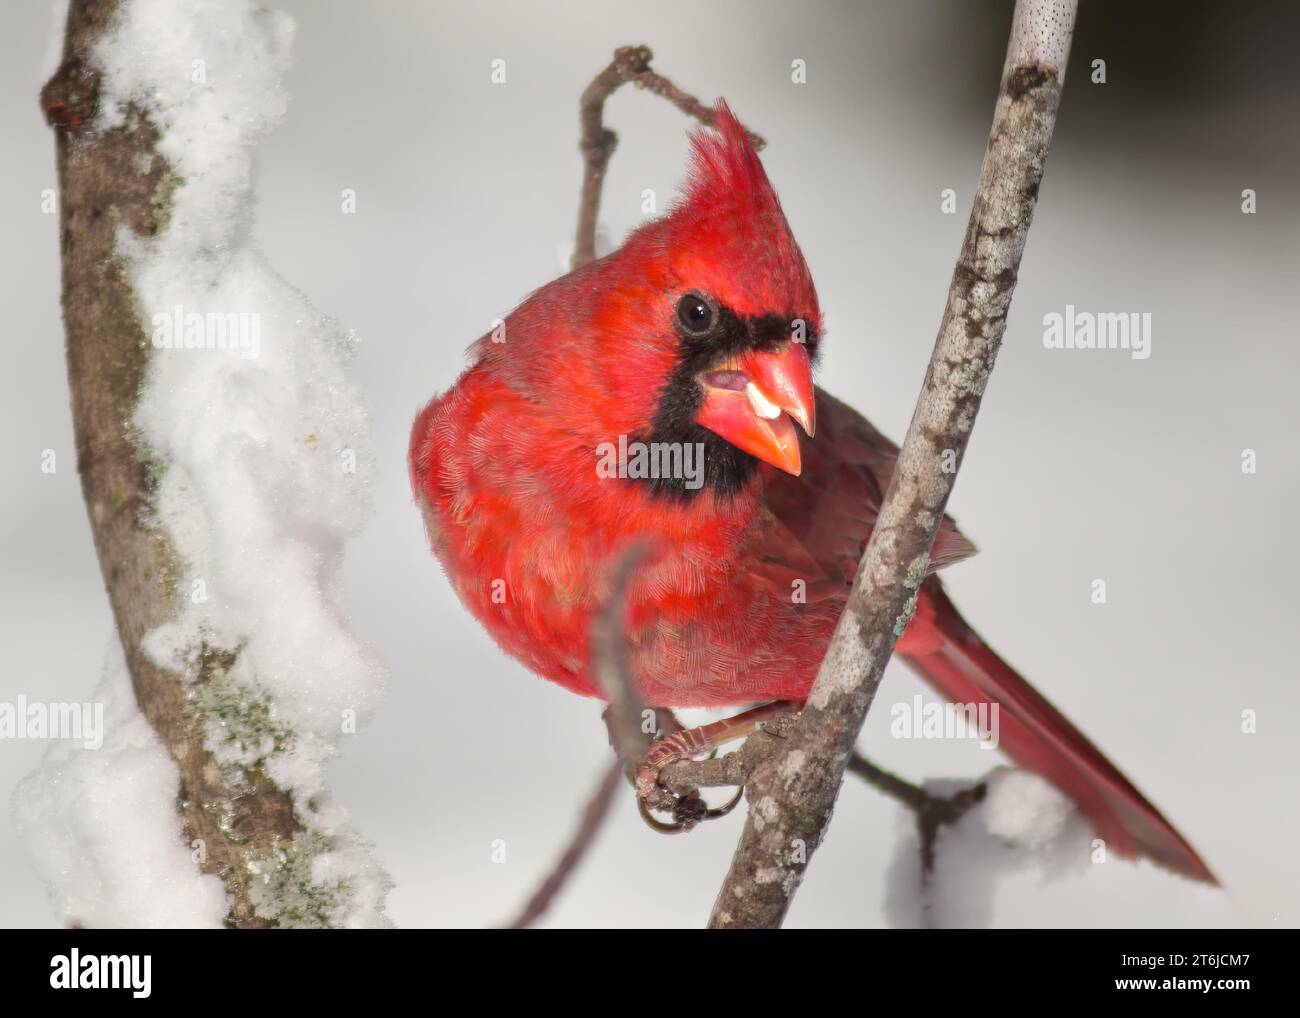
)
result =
(653, 394)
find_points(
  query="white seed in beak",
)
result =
(763, 406)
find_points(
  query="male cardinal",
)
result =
(698, 336)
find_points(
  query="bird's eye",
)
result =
(695, 314)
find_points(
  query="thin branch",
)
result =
(609, 661)
(631, 63)
(593, 817)
(797, 786)
(630, 723)
(622, 719)
(914, 797)
(931, 811)
(623, 716)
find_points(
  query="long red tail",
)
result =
(947, 653)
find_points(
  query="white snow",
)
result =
(1022, 809)
(262, 437)
(103, 827)
(1025, 855)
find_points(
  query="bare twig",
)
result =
(609, 661)
(931, 811)
(629, 740)
(912, 796)
(792, 794)
(623, 716)
(631, 63)
(631, 724)
(593, 817)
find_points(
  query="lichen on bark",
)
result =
(111, 180)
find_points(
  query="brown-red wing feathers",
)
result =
(829, 509)
(823, 520)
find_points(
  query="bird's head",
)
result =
(701, 329)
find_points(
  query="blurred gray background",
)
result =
(1084, 465)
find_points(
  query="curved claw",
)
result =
(654, 823)
(687, 811)
(722, 811)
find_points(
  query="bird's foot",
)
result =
(686, 810)
(690, 809)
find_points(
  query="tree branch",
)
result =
(107, 180)
(609, 660)
(593, 817)
(733, 770)
(931, 811)
(631, 63)
(792, 794)
(623, 716)
(623, 721)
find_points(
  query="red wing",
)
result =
(826, 514)
(824, 518)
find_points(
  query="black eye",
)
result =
(695, 315)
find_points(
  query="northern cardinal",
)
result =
(697, 337)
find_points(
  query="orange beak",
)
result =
(750, 400)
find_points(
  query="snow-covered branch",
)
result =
(224, 460)
(792, 795)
